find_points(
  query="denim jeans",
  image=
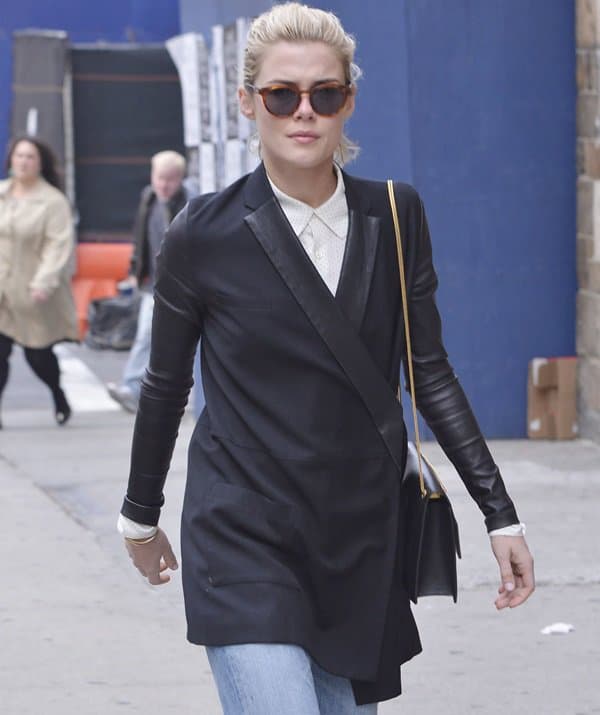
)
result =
(137, 362)
(273, 679)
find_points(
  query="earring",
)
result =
(254, 144)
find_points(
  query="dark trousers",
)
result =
(42, 361)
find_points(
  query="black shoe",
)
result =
(62, 409)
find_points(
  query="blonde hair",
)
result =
(294, 22)
(169, 160)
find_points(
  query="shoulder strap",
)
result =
(411, 377)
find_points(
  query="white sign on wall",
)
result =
(216, 135)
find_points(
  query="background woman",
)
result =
(36, 243)
(292, 522)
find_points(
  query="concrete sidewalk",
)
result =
(81, 633)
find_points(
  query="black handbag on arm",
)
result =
(431, 542)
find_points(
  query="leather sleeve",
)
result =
(176, 329)
(442, 401)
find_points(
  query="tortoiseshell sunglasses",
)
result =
(282, 100)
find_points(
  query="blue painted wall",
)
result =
(474, 103)
(201, 16)
(110, 21)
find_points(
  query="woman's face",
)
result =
(305, 140)
(25, 162)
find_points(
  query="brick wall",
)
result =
(588, 216)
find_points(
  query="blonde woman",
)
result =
(36, 242)
(292, 523)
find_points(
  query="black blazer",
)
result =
(292, 524)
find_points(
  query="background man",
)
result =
(159, 203)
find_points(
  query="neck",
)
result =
(312, 186)
(22, 186)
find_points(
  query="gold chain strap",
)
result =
(411, 379)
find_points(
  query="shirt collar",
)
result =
(333, 213)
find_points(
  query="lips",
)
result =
(304, 137)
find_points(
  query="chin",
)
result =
(315, 164)
(307, 159)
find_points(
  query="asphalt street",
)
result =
(82, 634)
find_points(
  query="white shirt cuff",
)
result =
(512, 530)
(132, 530)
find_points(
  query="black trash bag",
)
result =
(112, 322)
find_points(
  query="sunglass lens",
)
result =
(328, 100)
(281, 101)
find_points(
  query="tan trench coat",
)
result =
(36, 244)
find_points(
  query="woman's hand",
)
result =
(517, 581)
(154, 558)
(131, 283)
(38, 295)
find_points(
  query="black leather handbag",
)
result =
(431, 537)
(431, 542)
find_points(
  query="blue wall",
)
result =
(474, 103)
(111, 21)
(201, 16)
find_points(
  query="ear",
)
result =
(246, 100)
(350, 104)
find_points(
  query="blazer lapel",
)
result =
(358, 266)
(273, 231)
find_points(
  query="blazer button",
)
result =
(210, 580)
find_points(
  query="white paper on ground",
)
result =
(557, 629)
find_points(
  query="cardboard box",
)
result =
(551, 398)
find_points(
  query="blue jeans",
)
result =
(137, 362)
(278, 679)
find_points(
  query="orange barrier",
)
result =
(100, 266)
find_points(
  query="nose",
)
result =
(304, 108)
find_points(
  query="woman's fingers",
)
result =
(153, 558)
(517, 581)
(157, 579)
(169, 557)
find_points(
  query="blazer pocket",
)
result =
(248, 538)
